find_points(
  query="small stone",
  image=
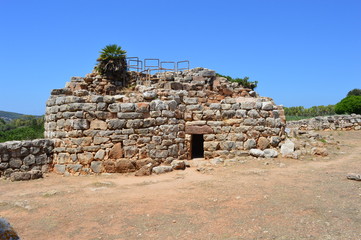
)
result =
(20, 176)
(270, 153)
(178, 165)
(256, 153)
(145, 170)
(162, 169)
(354, 176)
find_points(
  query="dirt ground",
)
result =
(257, 199)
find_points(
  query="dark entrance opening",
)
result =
(197, 146)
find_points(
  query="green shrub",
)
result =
(310, 112)
(354, 92)
(112, 63)
(241, 81)
(348, 105)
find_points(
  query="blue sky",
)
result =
(302, 52)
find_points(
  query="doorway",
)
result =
(197, 146)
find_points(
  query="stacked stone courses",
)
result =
(24, 160)
(153, 122)
(336, 122)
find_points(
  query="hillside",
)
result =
(8, 116)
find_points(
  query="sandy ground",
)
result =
(259, 199)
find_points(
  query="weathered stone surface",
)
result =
(178, 165)
(263, 143)
(162, 169)
(354, 176)
(15, 163)
(98, 124)
(96, 166)
(99, 155)
(20, 176)
(130, 151)
(250, 143)
(287, 148)
(256, 153)
(149, 95)
(198, 129)
(85, 158)
(319, 151)
(124, 166)
(116, 152)
(29, 160)
(270, 153)
(59, 168)
(145, 170)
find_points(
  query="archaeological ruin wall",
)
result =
(99, 127)
(25, 160)
(336, 122)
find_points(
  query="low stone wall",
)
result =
(24, 160)
(336, 122)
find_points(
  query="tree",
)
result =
(354, 92)
(112, 63)
(350, 104)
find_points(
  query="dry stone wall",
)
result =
(155, 122)
(336, 122)
(24, 160)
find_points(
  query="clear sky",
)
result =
(302, 52)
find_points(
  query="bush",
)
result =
(354, 92)
(348, 105)
(112, 63)
(241, 81)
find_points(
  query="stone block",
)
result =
(178, 165)
(15, 163)
(162, 169)
(59, 168)
(205, 129)
(263, 143)
(85, 158)
(127, 107)
(98, 125)
(256, 153)
(96, 166)
(248, 105)
(142, 107)
(20, 176)
(130, 151)
(130, 115)
(116, 152)
(124, 166)
(29, 160)
(249, 144)
(116, 123)
(100, 140)
(267, 106)
(99, 155)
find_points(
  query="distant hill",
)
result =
(8, 116)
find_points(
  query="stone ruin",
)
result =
(158, 120)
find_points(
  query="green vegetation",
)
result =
(10, 115)
(300, 112)
(354, 92)
(25, 128)
(112, 63)
(348, 105)
(241, 81)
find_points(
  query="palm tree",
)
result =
(112, 63)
